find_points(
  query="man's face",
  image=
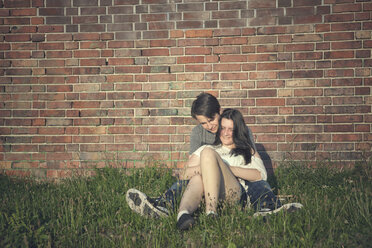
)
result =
(209, 124)
(226, 135)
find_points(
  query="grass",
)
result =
(92, 212)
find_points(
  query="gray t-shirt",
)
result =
(200, 136)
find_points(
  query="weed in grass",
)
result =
(92, 212)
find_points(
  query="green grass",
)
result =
(92, 212)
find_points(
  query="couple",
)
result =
(224, 165)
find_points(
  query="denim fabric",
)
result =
(262, 196)
(174, 192)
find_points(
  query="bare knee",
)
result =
(207, 152)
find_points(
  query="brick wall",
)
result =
(87, 83)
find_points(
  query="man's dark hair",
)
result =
(243, 144)
(205, 104)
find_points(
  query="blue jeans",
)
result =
(259, 194)
(262, 196)
(175, 192)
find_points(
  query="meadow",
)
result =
(92, 212)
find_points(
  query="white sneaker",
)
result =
(289, 207)
(143, 205)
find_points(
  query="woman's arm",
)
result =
(246, 173)
(256, 169)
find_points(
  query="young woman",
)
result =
(219, 171)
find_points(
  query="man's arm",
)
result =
(195, 140)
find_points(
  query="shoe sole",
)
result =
(138, 202)
(187, 224)
(289, 207)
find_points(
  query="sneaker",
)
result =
(145, 206)
(289, 207)
(212, 215)
(185, 222)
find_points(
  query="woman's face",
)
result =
(226, 135)
(209, 124)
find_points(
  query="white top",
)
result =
(238, 161)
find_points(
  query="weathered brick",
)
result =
(263, 75)
(198, 68)
(189, 24)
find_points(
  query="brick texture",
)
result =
(84, 85)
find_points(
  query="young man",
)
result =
(206, 110)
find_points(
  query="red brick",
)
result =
(307, 19)
(23, 12)
(233, 58)
(346, 137)
(363, 128)
(271, 66)
(262, 93)
(263, 75)
(339, 73)
(234, 41)
(17, 37)
(270, 102)
(299, 47)
(234, 76)
(198, 33)
(346, 45)
(198, 51)
(198, 68)
(339, 17)
(155, 52)
(225, 14)
(153, 17)
(338, 128)
(347, 63)
(190, 59)
(338, 36)
(339, 8)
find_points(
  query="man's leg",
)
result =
(173, 193)
(262, 196)
(265, 202)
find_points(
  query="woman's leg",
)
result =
(218, 180)
(192, 196)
